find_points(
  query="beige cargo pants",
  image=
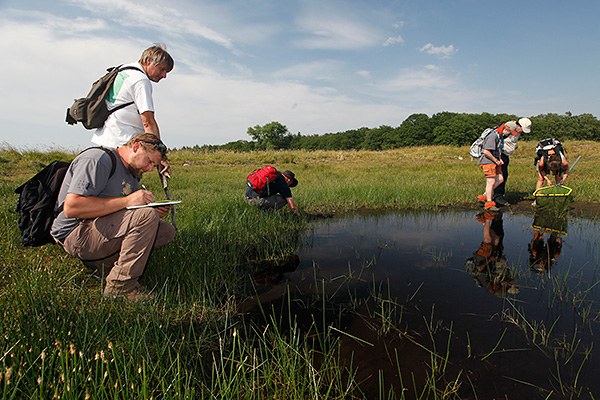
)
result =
(126, 238)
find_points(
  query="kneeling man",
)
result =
(276, 194)
(95, 223)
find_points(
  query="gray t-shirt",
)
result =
(88, 175)
(494, 143)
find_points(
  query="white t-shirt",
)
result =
(510, 142)
(130, 85)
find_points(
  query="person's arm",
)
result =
(545, 178)
(565, 167)
(84, 207)
(542, 172)
(490, 156)
(292, 205)
(563, 178)
(150, 124)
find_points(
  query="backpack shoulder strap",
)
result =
(111, 153)
(113, 168)
(121, 68)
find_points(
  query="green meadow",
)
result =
(59, 339)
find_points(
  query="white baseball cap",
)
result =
(525, 124)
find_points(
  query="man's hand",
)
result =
(164, 168)
(162, 211)
(140, 197)
(293, 205)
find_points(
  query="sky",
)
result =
(315, 66)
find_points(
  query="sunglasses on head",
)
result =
(160, 146)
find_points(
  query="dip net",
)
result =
(555, 198)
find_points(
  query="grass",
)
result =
(60, 340)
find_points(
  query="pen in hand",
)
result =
(148, 198)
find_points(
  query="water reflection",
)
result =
(488, 265)
(546, 245)
(273, 272)
(427, 263)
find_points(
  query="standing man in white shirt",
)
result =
(133, 85)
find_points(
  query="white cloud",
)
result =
(325, 70)
(330, 29)
(222, 109)
(441, 51)
(145, 14)
(239, 63)
(428, 78)
(194, 105)
(432, 89)
(364, 74)
(393, 40)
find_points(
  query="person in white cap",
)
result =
(523, 125)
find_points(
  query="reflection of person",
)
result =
(95, 223)
(488, 266)
(278, 194)
(491, 164)
(271, 273)
(542, 254)
(515, 128)
(553, 160)
(133, 85)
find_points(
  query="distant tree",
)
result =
(271, 136)
(415, 131)
(456, 131)
(239, 146)
(444, 128)
(587, 127)
(382, 138)
(351, 139)
(546, 126)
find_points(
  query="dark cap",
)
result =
(291, 176)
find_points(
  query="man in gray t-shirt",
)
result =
(95, 222)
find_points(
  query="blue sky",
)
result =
(315, 66)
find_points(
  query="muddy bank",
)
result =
(578, 208)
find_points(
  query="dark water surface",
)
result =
(511, 302)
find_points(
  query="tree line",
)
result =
(444, 128)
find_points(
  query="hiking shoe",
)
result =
(501, 201)
(491, 206)
(137, 295)
(481, 198)
(484, 216)
(487, 215)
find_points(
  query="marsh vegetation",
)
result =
(212, 335)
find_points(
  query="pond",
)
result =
(506, 304)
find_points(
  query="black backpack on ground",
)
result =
(91, 110)
(37, 201)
